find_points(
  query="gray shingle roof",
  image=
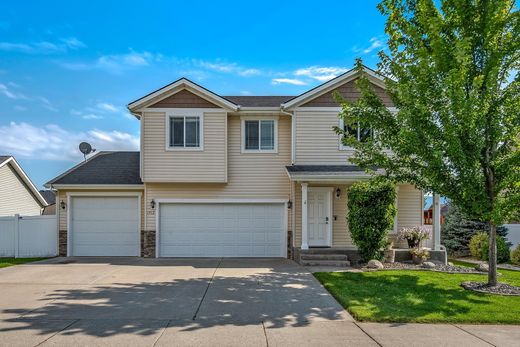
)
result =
(4, 158)
(323, 168)
(104, 168)
(49, 196)
(258, 101)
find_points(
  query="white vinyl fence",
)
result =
(28, 236)
(513, 234)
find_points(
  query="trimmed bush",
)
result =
(479, 247)
(371, 212)
(515, 255)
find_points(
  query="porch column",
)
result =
(436, 237)
(305, 244)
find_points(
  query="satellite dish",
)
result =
(86, 148)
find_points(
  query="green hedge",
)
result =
(371, 212)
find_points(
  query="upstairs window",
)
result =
(259, 135)
(185, 132)
(358, 130)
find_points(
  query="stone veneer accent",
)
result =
(148, 243)
(62, 243)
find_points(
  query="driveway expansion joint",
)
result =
(367, 334)
(207, 288)
(57, 332)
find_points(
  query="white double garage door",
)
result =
(110, 226)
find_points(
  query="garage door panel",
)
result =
(233, 230)
(105, 226)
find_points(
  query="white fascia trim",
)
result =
(26, 180)
(221, 201)
(332, 84)
(177, 86)
(99, 186)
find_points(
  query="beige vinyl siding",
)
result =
(61, 195)
(316, 141)
(409, 206)
(409, 213)
(250, 175)
(15, 196)
(162, 165)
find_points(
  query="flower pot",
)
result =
(417, 260)
(389, 255)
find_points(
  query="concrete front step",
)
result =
(335, 263)
(304, 256)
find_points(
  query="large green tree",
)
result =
(451, 70)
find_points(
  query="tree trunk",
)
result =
(492, 275)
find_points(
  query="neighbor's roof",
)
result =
(103, 168)
(49, 196)
(9, 159)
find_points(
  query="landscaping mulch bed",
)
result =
(500, 288)
(438, 267)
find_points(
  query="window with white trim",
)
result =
(360, 131)
(185, 132)
(259, 135)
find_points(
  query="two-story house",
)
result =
(222, 176)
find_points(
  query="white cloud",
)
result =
(321, 73)
(52, 142)
(107, 107)
(43, 47)
(11, 94)
(375, 43)
(115, 63)
(20, 108)
(223, 67)
(91, 116)
(292, 81)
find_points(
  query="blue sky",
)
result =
(68, 68)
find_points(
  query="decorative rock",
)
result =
(450, 263)
(375, 264)
(483, 267)
(428, 265)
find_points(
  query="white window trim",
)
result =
(243, 134)
(184, 113)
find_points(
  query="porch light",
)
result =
(63, 205)
(289, 204)
(338, 192)
(152, 204)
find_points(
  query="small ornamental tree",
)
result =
(452, 74)
(459, 229)
(371, 212)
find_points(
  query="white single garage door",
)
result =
(104, 226)
(222, 230)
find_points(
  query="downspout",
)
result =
(293, 135)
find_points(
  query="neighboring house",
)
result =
(428, 214)
(50, 197)
(18, 195)
(222, 176)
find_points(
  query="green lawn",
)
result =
(421, 296)
(5, 262)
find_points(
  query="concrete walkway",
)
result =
(209, 302)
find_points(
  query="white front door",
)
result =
(319, 216)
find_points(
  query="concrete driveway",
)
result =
(219, 302)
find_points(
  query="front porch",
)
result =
(319, 216)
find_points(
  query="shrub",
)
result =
(479, 247)
(459, 229)
(515, 255)
(371, 207)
